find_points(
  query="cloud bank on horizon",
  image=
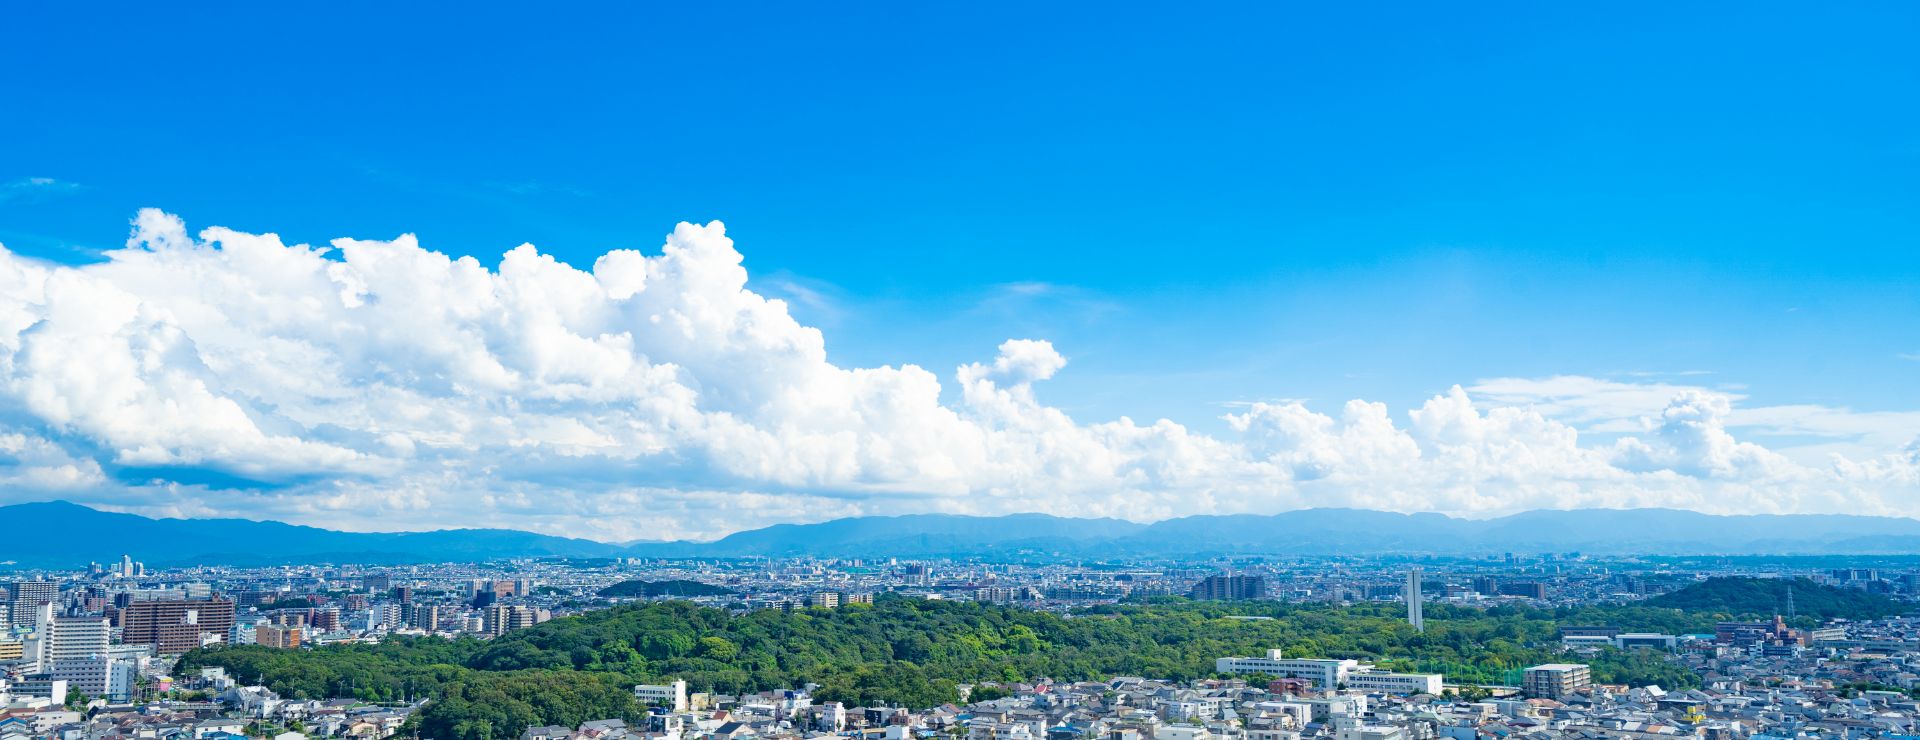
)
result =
(380, 385)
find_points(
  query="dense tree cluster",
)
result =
(1764, 597)
(397, 669)
(902, 651)
(485, 705)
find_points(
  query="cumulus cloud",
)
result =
(1690, 437)
(380, 384)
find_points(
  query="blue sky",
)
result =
(1199, 207)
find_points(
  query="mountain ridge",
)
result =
(44, 536)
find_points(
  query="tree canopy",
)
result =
(903, 651)
(1738, 597)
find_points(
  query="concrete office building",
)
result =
(1633, 640)
(1327, 674)
(1389, 682)
(1324, 673)
(672, 696)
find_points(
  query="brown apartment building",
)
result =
(277, 637)
(175, 626)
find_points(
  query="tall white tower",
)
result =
(1413, 601)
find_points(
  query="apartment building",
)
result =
(1556, 680)
(175, 626)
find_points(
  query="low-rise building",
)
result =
(1556, 680)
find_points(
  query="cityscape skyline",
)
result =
(1301, 646)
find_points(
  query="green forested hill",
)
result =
(1765, 597)
(902, 651)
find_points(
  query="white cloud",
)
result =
(379, 385)
(1021, 363)
(1690, 437)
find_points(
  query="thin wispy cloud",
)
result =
(1027, 298)
(818, 299)
(539, 188)
(1267, 401)
(1663, 373)
(35, 188)
(1030, 288)
(1610, 406)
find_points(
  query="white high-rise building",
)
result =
(74, 638)
(1414, 616)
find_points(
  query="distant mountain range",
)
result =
(61, 534)
(58, 533)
